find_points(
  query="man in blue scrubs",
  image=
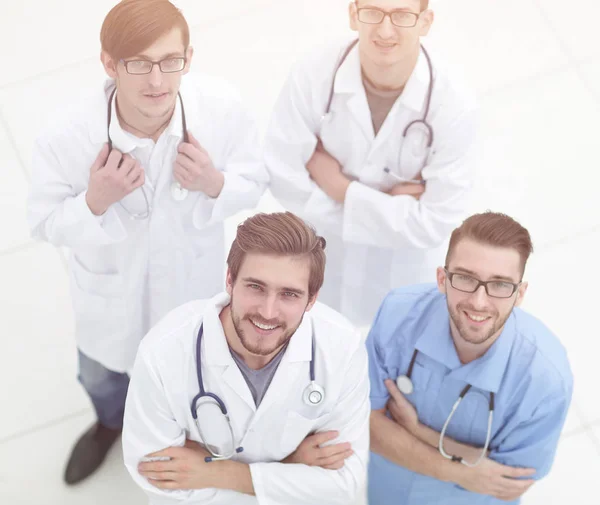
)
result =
(466, 331)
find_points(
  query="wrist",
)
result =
(343, 186)
(216, 475)
(450, 471)
(217, 184)
(94, 207)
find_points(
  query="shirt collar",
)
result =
(216, 347)
(484, 373)
(349, 80)
(124, 141)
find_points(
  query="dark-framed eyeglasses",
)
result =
(167, 66)
(374, 16)
(495, 289)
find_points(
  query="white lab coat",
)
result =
(375, 242)
(126, 274)
(164, 383)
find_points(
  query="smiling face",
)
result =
(151, 95)
(268, 300)
(384, 43)
(477, 318)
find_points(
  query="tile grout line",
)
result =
(13, 144)
(565, 239)
(18, 248)
(42, 427)
(567, 50)
(519, 82)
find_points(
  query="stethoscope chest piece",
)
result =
(313, 395)
(177, 192)
(405, 385)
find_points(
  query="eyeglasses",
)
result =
(167, 66)
(468, 284)
(372, 16)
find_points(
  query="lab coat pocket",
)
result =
(297, 427)
(100, 310)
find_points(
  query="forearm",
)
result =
(398, 445)
(232, 475)
(432, 438)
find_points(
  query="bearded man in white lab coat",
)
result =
(290, 373)
(136, 181)
(344, 152)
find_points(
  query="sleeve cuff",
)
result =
(108, 224)
(209, 211)
(259, 485)
(362, 208)
(378, 403)
(322, 211)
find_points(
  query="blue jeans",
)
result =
(107, 390)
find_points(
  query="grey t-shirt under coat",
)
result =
(258, 380)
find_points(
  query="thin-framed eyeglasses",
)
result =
(375, 16)
(167, 66)
(468, 284)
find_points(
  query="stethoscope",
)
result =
(177, 192)
(422, 121)
(405, 385)
(313, 396)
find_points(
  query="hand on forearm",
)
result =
(397, 444)
(313, 452)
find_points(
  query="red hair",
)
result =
(132, 26)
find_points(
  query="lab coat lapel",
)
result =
(411, 100)
(217, 355)
(349, 82)
(294, 363)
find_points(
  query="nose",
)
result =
(155, 77)
(269, 307)
(386, 29)
(479, 298)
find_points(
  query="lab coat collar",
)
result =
(217, 353)
(485, 373)
(217, 350)
(349, 80)
(98, 126)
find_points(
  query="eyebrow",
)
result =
(401, 9)
(493, 278)
(252, 280)
(170, 55)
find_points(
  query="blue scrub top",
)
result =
(526, 368)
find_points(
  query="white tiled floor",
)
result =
(535, 65)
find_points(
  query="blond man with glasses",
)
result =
(370, 141)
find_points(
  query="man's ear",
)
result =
(110, 65)
(229, 283)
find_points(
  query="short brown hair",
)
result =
(495, 229)
(132, 26)
(279, 234)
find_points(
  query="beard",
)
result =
(477, 337)
(261, 346)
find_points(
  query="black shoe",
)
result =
(89, 452)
